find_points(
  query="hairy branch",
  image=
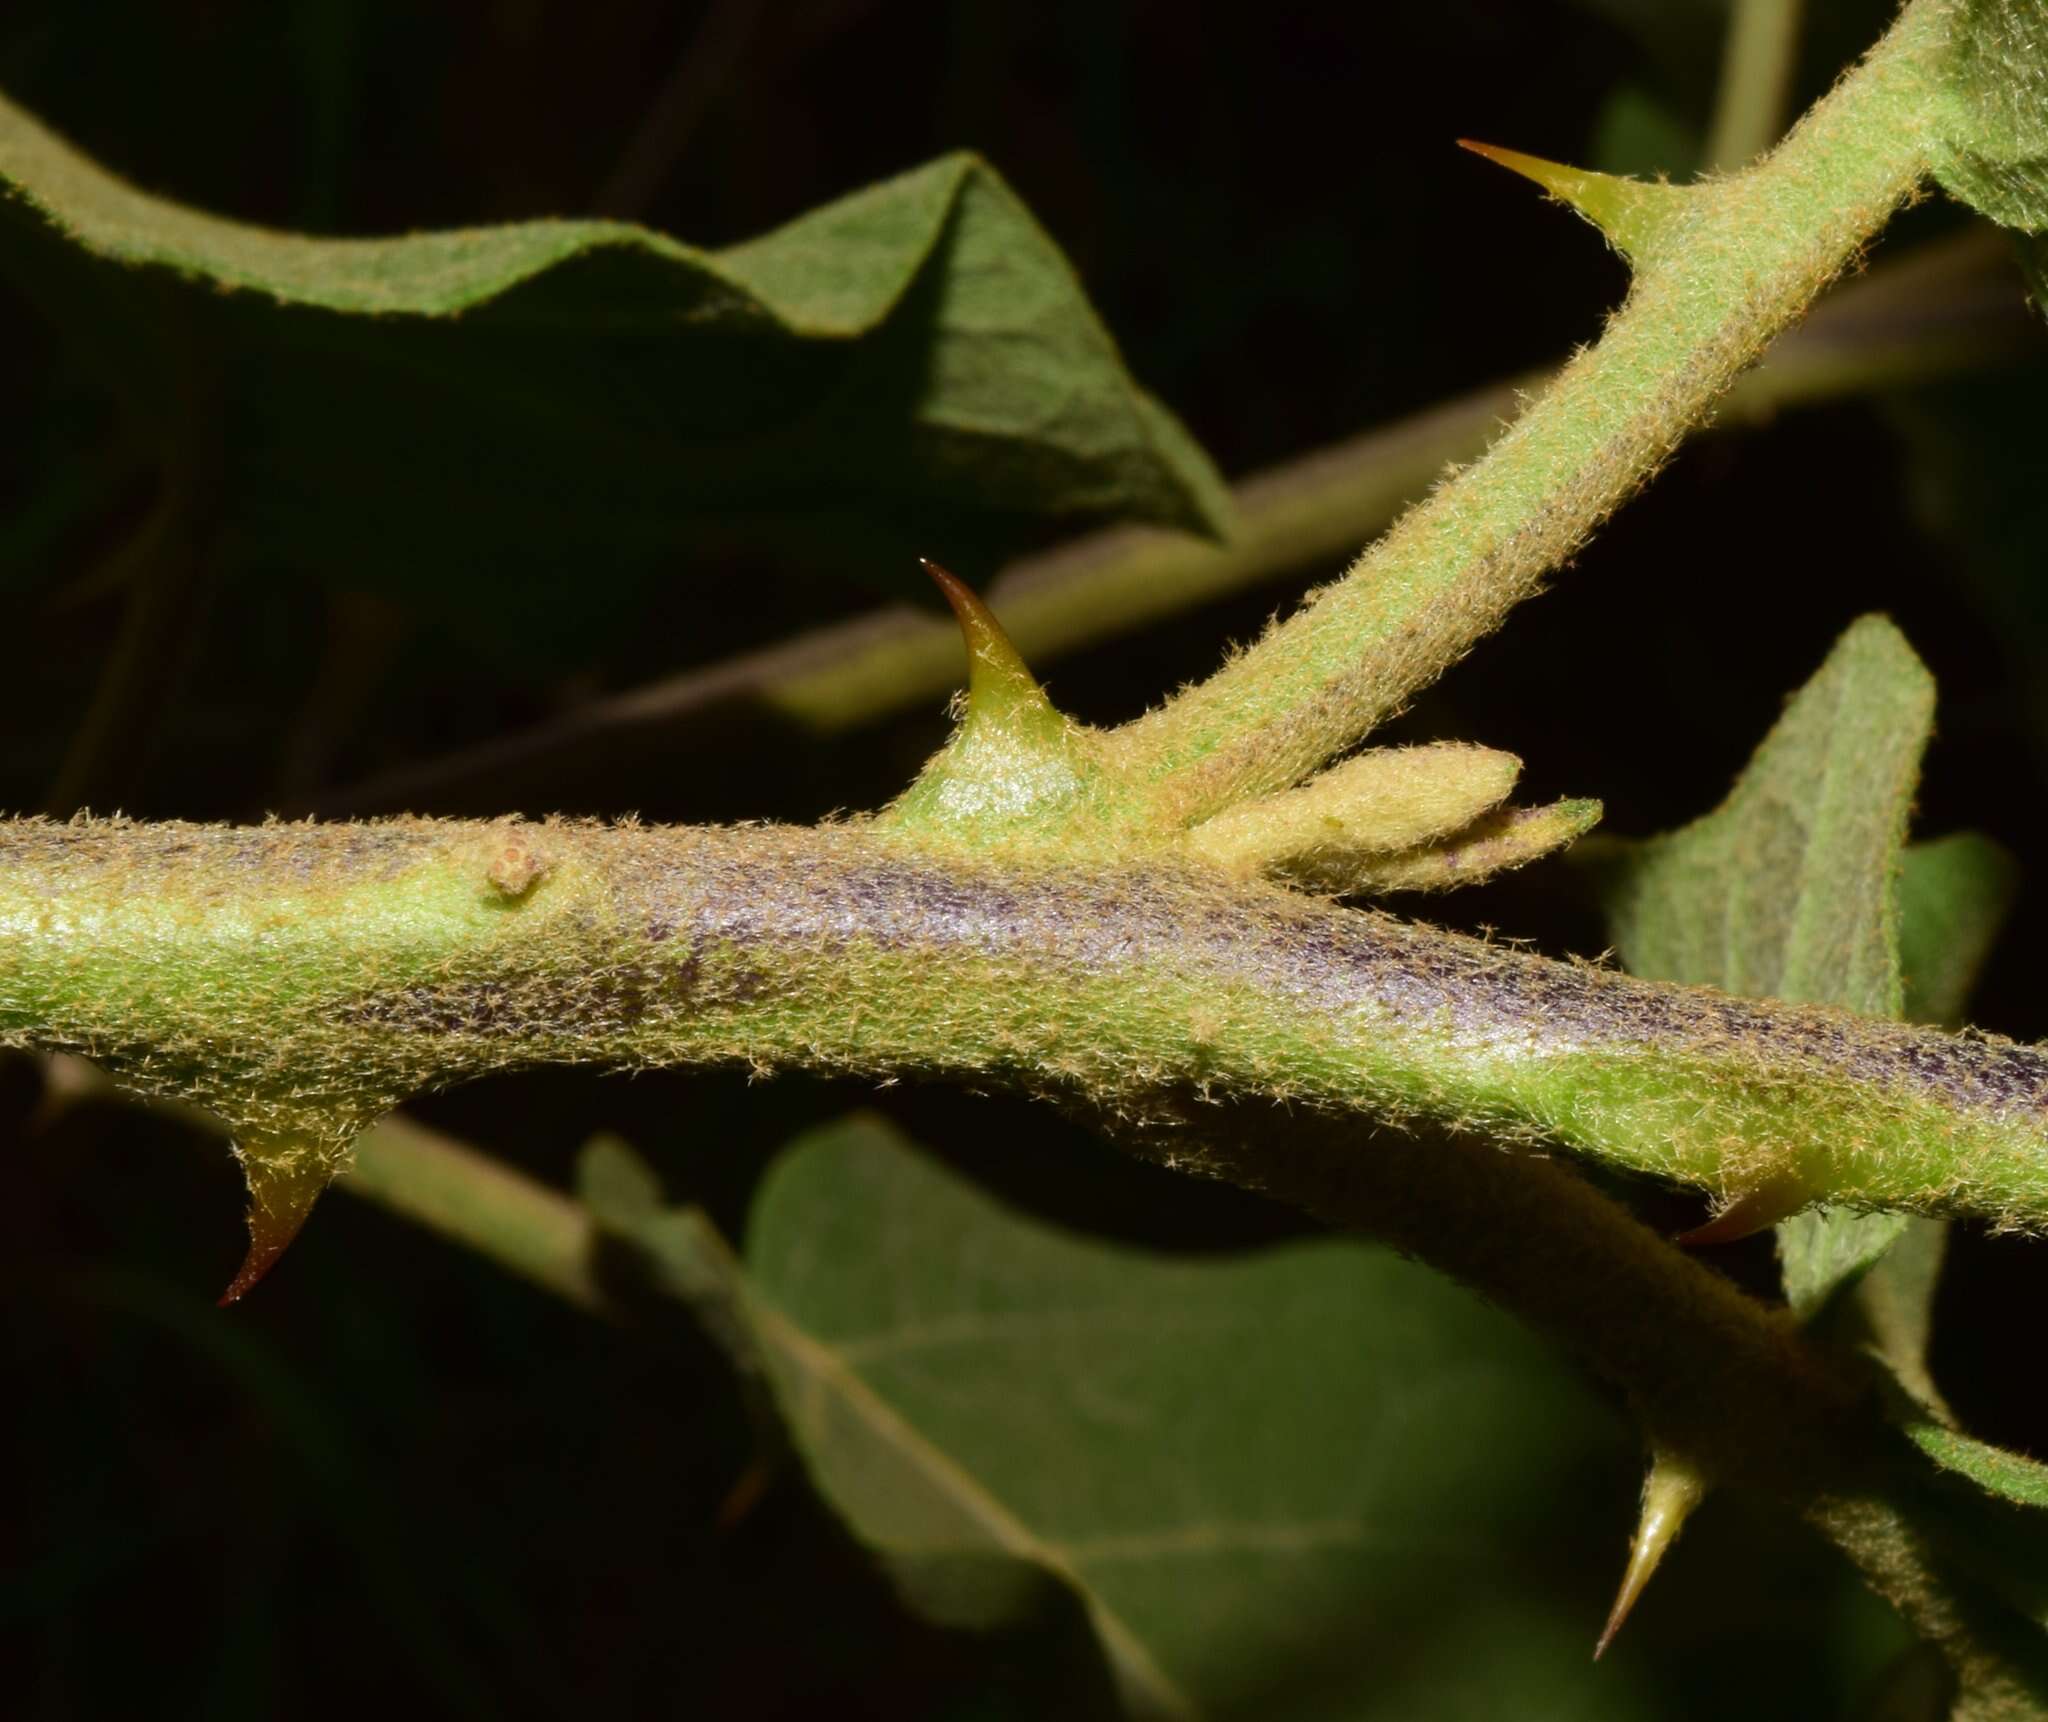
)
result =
(1721, 268)
(300, 980)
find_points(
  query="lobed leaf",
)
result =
(526, 425)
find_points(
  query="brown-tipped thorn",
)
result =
(1753, 1211)
(996, 672)
(1670, 1492)
(280, 1198)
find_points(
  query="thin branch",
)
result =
(1756, 81)
(164, 568)
(364, 634)
(468, 1196)
(702, 72)
(1730, 264)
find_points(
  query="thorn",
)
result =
(997, 676)
(1752, 1211)
(1011, 757)
(281, 1194)
(1633, 213)
(1670, 1492)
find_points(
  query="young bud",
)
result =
(1493, 843)
(1375, 803)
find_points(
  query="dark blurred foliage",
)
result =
(394, 1472)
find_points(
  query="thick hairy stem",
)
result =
(300, 980)
(1730, 264)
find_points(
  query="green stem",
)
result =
(451, 1188)
(1741, 259)
(1756, 81)
(301, 980)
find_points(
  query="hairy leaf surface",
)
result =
(1994, 148)
(1954, 894)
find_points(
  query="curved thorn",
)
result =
(996, 672)
(281, 1194)
(1670, 1492)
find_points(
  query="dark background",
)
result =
(394, 1471)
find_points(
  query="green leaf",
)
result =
(1790, 888)
(1317, 1471)
(1890, 1311)
(521, 426)
(1954, 895)
(1994, 143)
(1993, 148)
(1639, 137)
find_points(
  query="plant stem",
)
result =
(1743, 258)
(1949, 308)
(452, 1188)
(708, 66)
(301, 980)
(1756, 81)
